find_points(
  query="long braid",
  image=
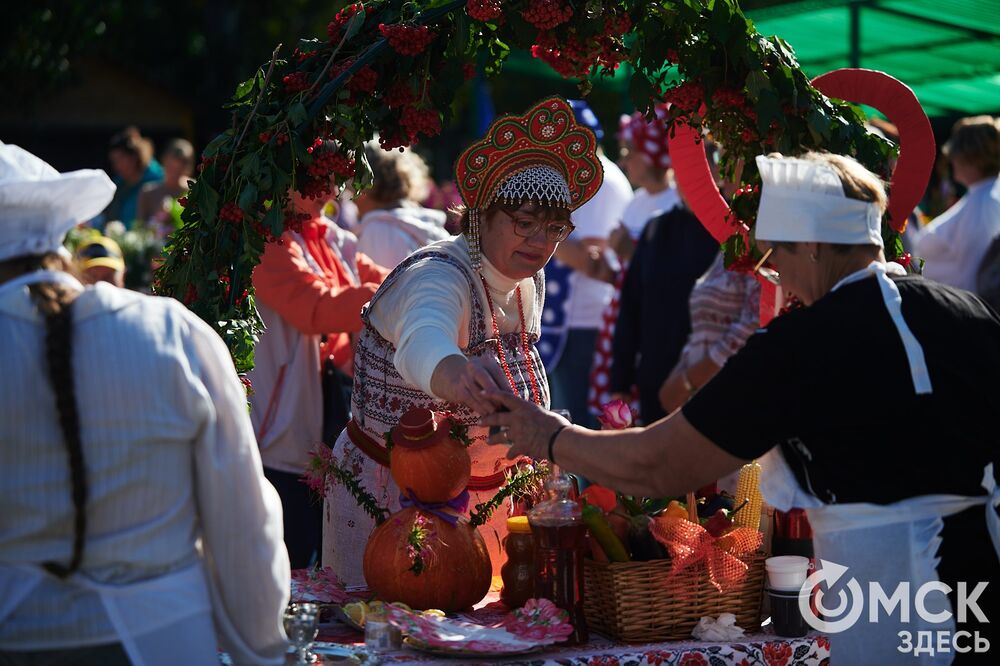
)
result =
(55, 301)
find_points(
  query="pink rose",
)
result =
(615, 415)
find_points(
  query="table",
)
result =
(760, 649)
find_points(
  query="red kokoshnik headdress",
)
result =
(543, 156)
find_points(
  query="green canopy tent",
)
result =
(948, 51)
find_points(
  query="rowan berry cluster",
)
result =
(547, 14)
(483, 10)
(326, 162)
(231, 213)
(407, 40)
(335, 29)
(295, 82)
(424, 121)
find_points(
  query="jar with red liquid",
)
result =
(560, 541)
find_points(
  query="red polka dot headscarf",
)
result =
(650, 139)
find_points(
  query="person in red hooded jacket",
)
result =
(310, 290)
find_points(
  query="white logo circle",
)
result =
(848, 610)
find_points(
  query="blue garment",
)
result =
(125, 206)
(569, 380)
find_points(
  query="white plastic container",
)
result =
(786, 572)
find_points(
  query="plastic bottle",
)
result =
(518, 572)
(560, 541)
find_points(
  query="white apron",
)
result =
(162, 621)
(887, 544)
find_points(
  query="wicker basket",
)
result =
(642, 602)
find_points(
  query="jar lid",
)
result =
(518, 525)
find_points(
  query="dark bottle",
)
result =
(560, 542)
(518, 572)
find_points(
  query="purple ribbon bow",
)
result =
(460, 504)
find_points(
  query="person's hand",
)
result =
(464, 380)
(599, 268)
(621, 242)
(525, 427)
(672, 393)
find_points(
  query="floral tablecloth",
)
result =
(756, 650)
(760, 649)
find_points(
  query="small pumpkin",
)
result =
(456, 570)
(426, 460)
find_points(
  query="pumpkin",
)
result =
(457, 570)
(426, 460)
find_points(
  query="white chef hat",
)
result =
(38, 205)
(804, 201)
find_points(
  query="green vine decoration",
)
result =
(393, 67)
(522, 483)
(323, 467)
(460, 431)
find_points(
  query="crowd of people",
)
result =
(138, 474)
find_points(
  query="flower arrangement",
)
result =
(393, 69)
(419, 543)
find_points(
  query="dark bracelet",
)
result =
(552, 441)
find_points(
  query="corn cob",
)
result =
(748, 490)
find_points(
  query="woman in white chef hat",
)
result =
(135, 512)
(877, 402)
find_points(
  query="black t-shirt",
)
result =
(831, 385)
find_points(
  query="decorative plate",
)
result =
(537, 624)
(319, 586)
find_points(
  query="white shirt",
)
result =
(426, 313)
(596, 219)
(389, 236)
(645, 206)
(173, 472)
(954, 243)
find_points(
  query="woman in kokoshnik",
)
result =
(462, 315)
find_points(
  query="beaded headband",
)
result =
(544, 155)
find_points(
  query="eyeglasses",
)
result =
(526, 227)
(767, 272)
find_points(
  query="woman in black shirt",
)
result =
(877, 399)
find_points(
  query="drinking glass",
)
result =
(301, 625)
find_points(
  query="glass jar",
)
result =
(518, 572)
(560, 540)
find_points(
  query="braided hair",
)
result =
(54, 301)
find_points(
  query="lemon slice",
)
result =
(356, 612)
(433, 612)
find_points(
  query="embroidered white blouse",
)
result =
(426, 313)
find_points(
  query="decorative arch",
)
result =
(393, 67)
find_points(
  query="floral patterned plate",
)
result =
(537, 624)
(457, 652)
(319, 586)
